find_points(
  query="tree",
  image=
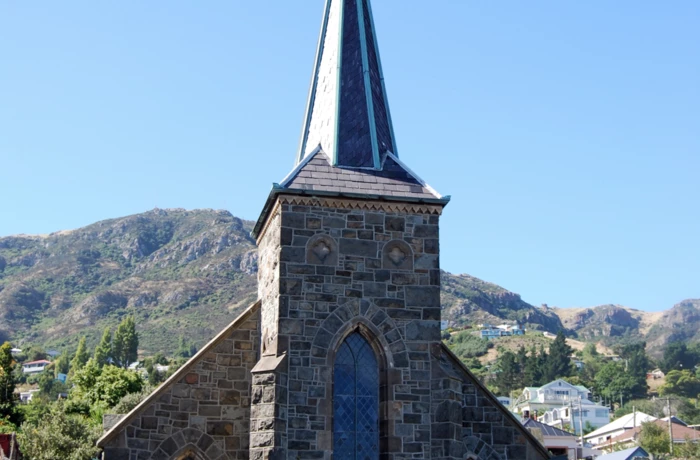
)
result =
(50, 387)
(59, 435)
(559, 359)
(126, 343)
(613, 382)
(681, 383)
(62, 365)
(8, 401)
(107, 385)
(533, 372)
(81, 356)
(509, 376)
(637, 364)
(103, 351)
(654, 439)
(677, 356)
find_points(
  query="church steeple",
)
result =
(347, 112)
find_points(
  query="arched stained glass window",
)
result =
(356, 401)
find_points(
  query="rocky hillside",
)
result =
(469, 300)
(610, 324)
(606, 321)
(679, 324)
(182, 273)
(188, 273)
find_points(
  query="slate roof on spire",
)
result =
(347, 111)
(347, 145)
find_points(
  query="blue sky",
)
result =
(567, 133)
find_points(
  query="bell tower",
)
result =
(349, 274)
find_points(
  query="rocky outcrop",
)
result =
(469, 300)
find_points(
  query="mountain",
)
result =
(185, 274)
(611, 324)
(469, 300)
(679, 324)
(606, 321)
(182, 273)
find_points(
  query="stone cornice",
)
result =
(379, 205)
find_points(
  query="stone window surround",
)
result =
(387, 375)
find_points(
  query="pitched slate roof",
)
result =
(392, 180)
(546, 429)
(347, 112)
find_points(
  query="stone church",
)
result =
(340, 357)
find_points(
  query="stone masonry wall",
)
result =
(206, 412)
(469, 423)
(346, 266)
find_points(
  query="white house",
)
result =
(34, 367)
(557, 404)
(619, 426)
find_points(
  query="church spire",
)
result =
(347, 112)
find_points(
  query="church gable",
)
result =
(203, 410)
(469, 422)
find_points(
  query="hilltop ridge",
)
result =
(185, 273)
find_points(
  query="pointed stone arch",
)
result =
(188, 444)
(387, 342)
(377, 327)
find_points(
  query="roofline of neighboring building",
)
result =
(598, 431)
(37, 362)
(178, 375)
(531, 437)
(278, 189)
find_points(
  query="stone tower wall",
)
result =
(348, 265)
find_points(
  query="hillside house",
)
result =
(493, 333)
(557, 404)
(655, 374)
(34, 367)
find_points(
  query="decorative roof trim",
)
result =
(363, 204)
(363, 201)
(178, 375)
(416, 176)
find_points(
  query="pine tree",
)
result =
(126, 343)
(532, 370)
(62, 364)
(103, 351)
(81, 356)
(559, 359)
(8, 401)
(509, 377)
